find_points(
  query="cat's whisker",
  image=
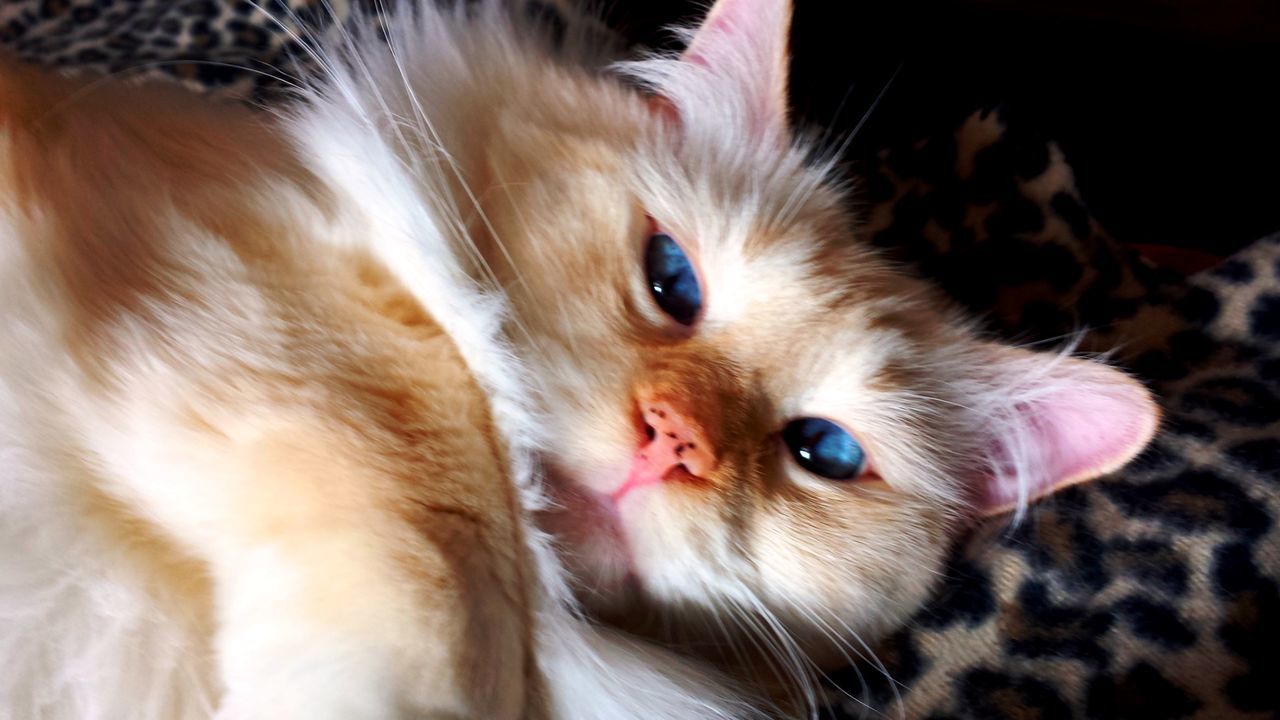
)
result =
(420, 126)
(512, 266)
(462, 237)
(844, 648)
(837, 638)
(867, 654)
(928, 398)
(424, 129)
(356, 61)
(721, 611)
(800, 668)
(505, 186)
(829, 127)
(853, 134)
(802, 192)
(755, 636)
(309, 44)
(765, 645)
(828, 166)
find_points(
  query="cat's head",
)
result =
(748, 410)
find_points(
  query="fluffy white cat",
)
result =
(277, 393)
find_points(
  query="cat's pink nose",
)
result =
(674, 439)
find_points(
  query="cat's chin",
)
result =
(589, 535)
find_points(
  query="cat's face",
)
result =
(747, 411)
(778, 316)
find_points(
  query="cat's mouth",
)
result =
(596, 510)
(588, 528)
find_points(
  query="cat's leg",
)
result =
(342, 604)
(357, 576)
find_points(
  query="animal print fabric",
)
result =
(235, 49)
(1151, 594)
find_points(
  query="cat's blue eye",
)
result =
(824, 448)
(672, 279)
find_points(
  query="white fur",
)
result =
(79, 635)
(85, 638)
(593, 672)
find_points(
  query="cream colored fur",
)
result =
(243, 473)
(319, 414)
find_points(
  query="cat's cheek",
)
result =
(863, 565)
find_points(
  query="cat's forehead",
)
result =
(777, 245)
(823, 343)
(811, 312)
(785, 276)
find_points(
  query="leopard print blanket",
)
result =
(1151, 594)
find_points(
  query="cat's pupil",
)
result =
(824, 448)
(672, 279)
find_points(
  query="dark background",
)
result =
(1167, 109)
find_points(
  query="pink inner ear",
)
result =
(740, 25)
(1092, 423)
(746, 40)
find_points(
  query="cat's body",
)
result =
(243, 430)
(242, 466)
(272, 390)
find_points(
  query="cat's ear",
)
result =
(1059, 421)
(744, 45)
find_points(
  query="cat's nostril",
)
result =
(672, 439)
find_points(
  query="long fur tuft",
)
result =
(375, 107)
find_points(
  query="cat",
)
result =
(353, 410)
